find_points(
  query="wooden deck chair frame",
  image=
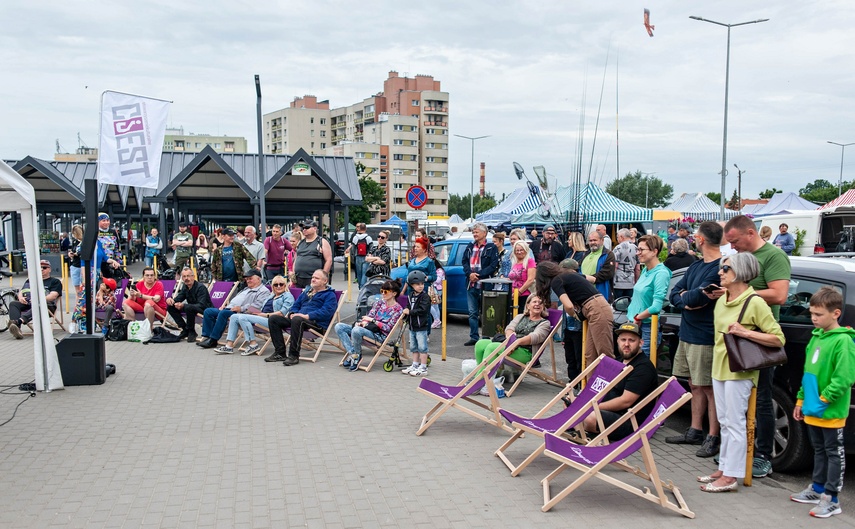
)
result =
(650, 473)
(573, 422)
(325, 338)
(228, 297)
(528, 368)
(385, 347)
(485, 371)
(55, 319)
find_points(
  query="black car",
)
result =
(792, 447)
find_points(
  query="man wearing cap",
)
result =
(192, 299)
(313, 253)
(685, 233)
(182, 243)
(21, 311)
(227, 259)
(248, 301)
(548, 248)
(110, 241)
(639, 383)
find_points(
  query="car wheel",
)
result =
(792, 449)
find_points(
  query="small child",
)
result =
(823, 400)
(418, 312)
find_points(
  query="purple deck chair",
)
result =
(591, 459)
(603, 374)
(315, 340)
(120, 297)
(168, 287)
(450, 396)
(555, 320)
(221, 292)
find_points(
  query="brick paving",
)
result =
(181, 437)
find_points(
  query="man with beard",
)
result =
(639, 383)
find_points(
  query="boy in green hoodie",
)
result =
(823, 400)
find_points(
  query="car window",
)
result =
(458, 255)
(797, 307)
(442, 254)
(666, 306)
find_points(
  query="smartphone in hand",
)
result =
(709, 289)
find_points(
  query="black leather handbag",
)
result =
(746, 355)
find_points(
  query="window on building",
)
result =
(415, 102)
(359, 155)
(397, 171)
(216, 145)
(397, 156)
(430, 173)
(429, 145)
(323, 145)
(429, 159)
(323, 121)
(313, 145)
(383, 163)
(429, 131)
(397, 142)
(323, 134)
(413, 158)
(398, 127)
(311, 120)
(312, 133)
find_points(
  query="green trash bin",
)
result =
(494, 305)
(17, 261)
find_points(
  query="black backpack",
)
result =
(118, 331)
(161, 335)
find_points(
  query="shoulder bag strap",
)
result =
(744, 307)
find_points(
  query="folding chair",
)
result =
(555, 320)
(592, 459)
(221, 292)
(315, 340)
(451, 396)
(603, 374)
(387, 345)
(120, 296)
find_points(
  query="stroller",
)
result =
(369, 295)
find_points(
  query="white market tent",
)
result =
(18, 195)
(784, 203)
(699, 207)
(846, 199)
(595, 206)
(519, 201)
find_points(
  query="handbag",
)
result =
(746, 355)
(118, 330)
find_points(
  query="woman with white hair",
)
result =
(679, 257)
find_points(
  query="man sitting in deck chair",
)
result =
(639, 383)
(147, 297)
(21, 312)
(314, 308)
(193, 298)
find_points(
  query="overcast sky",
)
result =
(515, 70)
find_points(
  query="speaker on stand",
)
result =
(82, 360)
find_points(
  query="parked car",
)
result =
(792, 449)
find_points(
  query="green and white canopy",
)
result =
(595, 206)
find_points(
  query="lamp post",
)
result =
(646, 186)
(740, 172)
(472, 187)
(261, 179)
(842, 150)
(726, 87)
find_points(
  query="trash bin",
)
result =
(17, 263)
(494, 305)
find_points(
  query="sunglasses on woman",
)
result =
(384, 291)
(725, 268)
(278, 284)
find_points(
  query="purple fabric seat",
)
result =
(555, 318)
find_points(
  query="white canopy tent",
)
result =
(17, 195)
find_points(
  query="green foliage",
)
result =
(733, 203)
(769, 192)
(635, 187)
(715, 197)
(800, 239)
(821, 191)
(459, 204)
(373, 197)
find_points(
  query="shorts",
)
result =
(76, 276)
(622, 431)
(694, 361)
(419, 342)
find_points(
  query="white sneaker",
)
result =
(409, 370)
(420, 372)
(224, 350)
(251, 349)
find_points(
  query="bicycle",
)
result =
(7, 296)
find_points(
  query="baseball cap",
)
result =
(629, 327)
(251, 273)
(44, 262)
(310, 223)
(686, 226)
(103, 216)
(110, 282)
(549, 227)
(182, 224)
(228, 231)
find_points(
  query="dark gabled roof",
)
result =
(207, 176)
(330, 175)
(49, 183)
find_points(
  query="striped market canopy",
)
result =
(846, 199)
(594, 206)
(699, 207)
(519, 201)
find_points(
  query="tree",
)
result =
(373, 197)
(637, 189)
(819, 191)
(733, 203)
(459, 204)
(715, 197)
(769, 192)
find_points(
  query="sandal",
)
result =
(707, 479)
(709, 487)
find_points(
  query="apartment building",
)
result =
(176, 141)
(399, 134)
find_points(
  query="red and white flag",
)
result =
(131, 143)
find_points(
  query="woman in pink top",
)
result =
(522, 271)
(146, 297)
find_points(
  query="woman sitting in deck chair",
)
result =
(531, 327)
(378, 323)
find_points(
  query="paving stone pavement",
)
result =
(181, 437)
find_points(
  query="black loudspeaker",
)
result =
(82, 360)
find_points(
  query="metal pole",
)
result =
(842, 150)
(472, 186)
(261, 179)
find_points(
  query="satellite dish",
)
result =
(518, 169)
(540, 171)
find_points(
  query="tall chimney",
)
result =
(483, 178)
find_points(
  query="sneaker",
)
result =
(436, 325)
(251, 349)
(224, 350)
(761, 468)
(807, 496)
(346, 363)
(690, 437)
(420, 372)
(191, 337)
(826, 508)
(470, 343)
(409, 370)
(710, 447)
(183, 335)
(354, 361)
(16, 331)
(275, 357)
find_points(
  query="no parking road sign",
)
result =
(417, 197)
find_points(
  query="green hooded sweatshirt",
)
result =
(828, 377)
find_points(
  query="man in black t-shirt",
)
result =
(639, 383)
(21, 311)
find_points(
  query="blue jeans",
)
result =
(473, 303)
(351, 337)
(419, 342)
(214, 322)
(244, 322)
(359, 265)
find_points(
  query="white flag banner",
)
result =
(131, 143)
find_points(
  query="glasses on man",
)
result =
(726, 268)
(46, 267)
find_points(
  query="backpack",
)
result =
(118, 331)
(161, 335)
(361, 247)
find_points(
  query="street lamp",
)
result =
(726, 87)
(842, 150)
(646, 186)
(740, 172)
(472, 187)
